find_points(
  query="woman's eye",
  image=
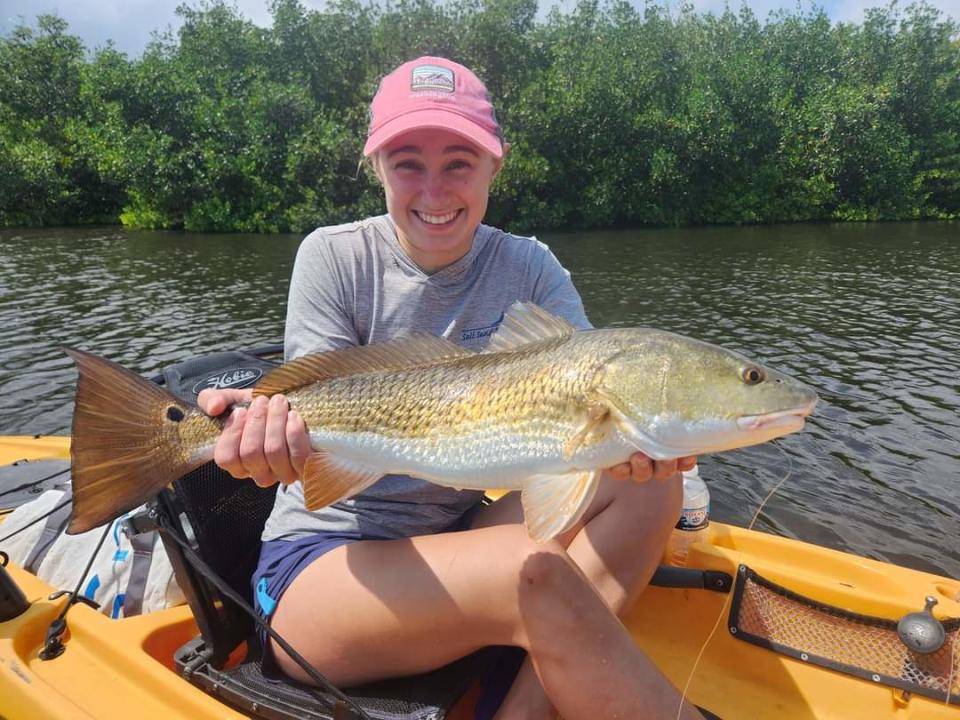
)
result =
(458, 165)
(407, 165)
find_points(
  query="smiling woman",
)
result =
(436, 147)
(424, 574)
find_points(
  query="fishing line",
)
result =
(86, 571)
(53, 647)
(729, 597)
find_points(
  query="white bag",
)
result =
(129, 575)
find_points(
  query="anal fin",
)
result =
(552, 504)
(328, 479)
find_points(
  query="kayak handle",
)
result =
(680, 577)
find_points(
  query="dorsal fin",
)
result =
(420, 348)
(526, 323)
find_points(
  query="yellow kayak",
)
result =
(805, 632)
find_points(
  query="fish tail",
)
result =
(126, 443)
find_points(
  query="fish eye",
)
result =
(174, 413)
(752, 375)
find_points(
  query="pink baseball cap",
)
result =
(433, 92)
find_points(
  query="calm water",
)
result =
(868, 314)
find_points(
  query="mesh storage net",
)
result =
(771, 616)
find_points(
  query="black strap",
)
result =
(680, 577)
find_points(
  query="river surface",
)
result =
(869, 314)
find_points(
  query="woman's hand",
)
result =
(641, 468)
(265, 441)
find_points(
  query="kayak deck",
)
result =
(110, 666)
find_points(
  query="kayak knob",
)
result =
(921, 631)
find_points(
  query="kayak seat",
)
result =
(210, 524)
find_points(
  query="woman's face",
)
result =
(436, 185)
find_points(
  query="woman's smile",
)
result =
(436, 219)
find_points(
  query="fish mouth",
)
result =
(787, 420)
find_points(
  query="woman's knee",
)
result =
(551, 591)
(543, 567)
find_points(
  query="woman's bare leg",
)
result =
(376, 609)
(618, 545)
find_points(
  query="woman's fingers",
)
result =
(252, 451)
(275, 447)
(267, 441)
(641, 467)
(216, 402)
(663, 469)
(226, 453)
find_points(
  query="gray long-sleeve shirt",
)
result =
(352, 285)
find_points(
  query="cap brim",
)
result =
(435, 120)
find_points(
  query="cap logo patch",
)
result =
(431, 78)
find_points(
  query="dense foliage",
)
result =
(616, 116)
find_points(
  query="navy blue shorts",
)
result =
(281, 561)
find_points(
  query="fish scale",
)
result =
(415, 404)
(505, 415)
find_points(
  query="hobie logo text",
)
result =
(239, 378)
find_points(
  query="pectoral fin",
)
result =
(596, 416)
(328, 479)
(552, 504)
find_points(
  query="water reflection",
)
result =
(868, 314)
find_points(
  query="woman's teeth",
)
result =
(437, 219)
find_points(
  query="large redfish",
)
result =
(543, 409)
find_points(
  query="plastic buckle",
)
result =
(142, 522)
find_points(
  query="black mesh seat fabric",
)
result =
(224, 518)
